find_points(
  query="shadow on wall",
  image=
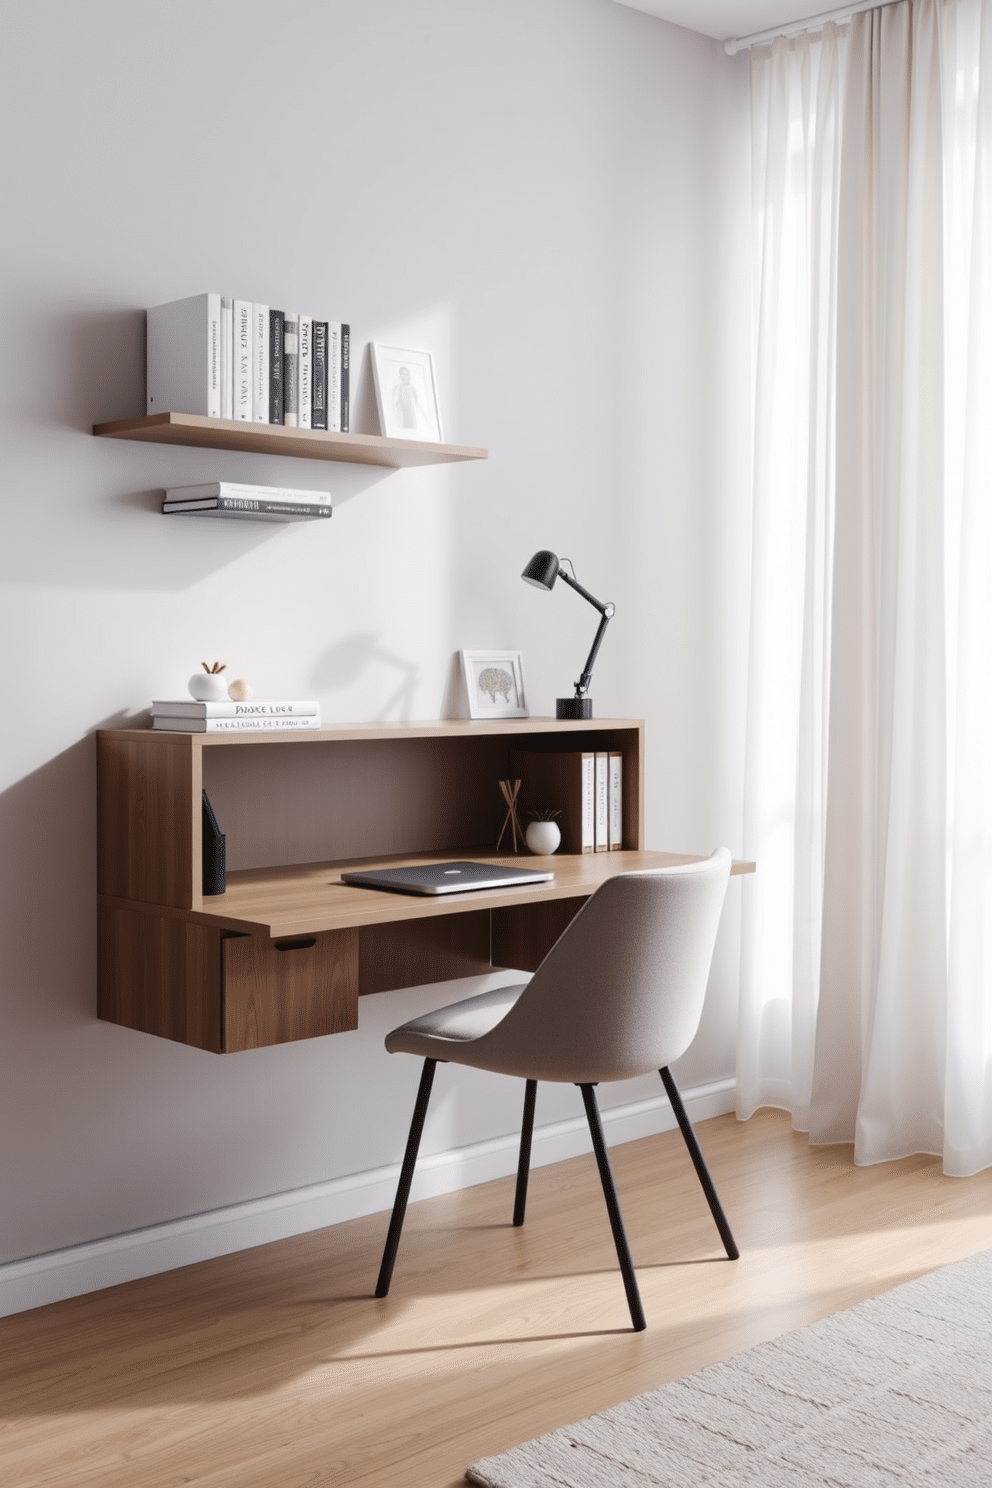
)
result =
(347, 660)
(48, 877)
(103, 496)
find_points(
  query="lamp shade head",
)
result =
(542, 570)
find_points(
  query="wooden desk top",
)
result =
(308, 898)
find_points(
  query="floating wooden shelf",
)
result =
(274, 439)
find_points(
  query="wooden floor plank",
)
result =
(277, 1367)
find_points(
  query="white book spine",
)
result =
(602, 830)
(232, 725)
(588, 803)
(305, 369)
(226, 358)
(183, 356)
(242, 361)
(260, 364)
(334, 376)
(216, 357)
(616, 802)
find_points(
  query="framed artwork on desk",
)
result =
(406, 393)
(494, 684)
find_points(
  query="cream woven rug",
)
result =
(895, 1392)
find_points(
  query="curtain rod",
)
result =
(735, 44)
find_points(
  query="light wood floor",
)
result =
(275, 1367)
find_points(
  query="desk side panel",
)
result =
(148, 835)
(160, 975)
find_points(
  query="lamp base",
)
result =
(573, 707)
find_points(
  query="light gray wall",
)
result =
(551, 194)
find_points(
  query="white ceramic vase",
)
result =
(543, 837)
(207, 687)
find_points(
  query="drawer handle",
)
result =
(296, 945)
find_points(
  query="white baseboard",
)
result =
(38, 1280)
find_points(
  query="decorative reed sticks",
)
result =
(511, 791)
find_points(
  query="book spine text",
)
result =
(260, 364)
(242, 361)
(290, 366)
(318, 376)
(226, 358)
(345, 378)
(334, 377)
(277, 323)
(305, 374)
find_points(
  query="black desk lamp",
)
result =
(541, 571)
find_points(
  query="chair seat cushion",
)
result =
(458, 1023)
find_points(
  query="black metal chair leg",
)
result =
(699, 1162)
(406, 1178)
(613, 1209)
(523, 1166)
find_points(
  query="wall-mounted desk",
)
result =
(288, 950)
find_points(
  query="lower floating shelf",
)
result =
(197, 431)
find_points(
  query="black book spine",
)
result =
(290, 369)
(277, 321)
(345, 379)
(318, 406)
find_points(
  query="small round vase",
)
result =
(208, 687)
(543, 837)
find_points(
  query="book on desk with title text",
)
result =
(222, 708)
(180, 724)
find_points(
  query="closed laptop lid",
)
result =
(446, 878)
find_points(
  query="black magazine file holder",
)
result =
(214, 852)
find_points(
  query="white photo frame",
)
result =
(494, 684)
(406, 393)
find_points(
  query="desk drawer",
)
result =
(277, 991)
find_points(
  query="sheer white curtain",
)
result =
(866, 1004)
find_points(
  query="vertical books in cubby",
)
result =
(584, 786)
(236, 359)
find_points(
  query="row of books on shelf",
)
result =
(183, 715)
(235, 359)
(254, 503)
(585, 788)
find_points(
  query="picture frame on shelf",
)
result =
(406, 393)
(494, 684)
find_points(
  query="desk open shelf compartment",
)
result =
(295, 809)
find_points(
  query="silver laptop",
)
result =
(446, 878)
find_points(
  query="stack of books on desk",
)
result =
(186, 716)
(254, 503)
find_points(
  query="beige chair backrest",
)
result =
(621, 993)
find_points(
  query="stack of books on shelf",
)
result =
(183, 715)
(584, 786)
(233, 359)
(256, 503)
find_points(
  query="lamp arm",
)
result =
(607, 612)
(582, 686)
(597, 604)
